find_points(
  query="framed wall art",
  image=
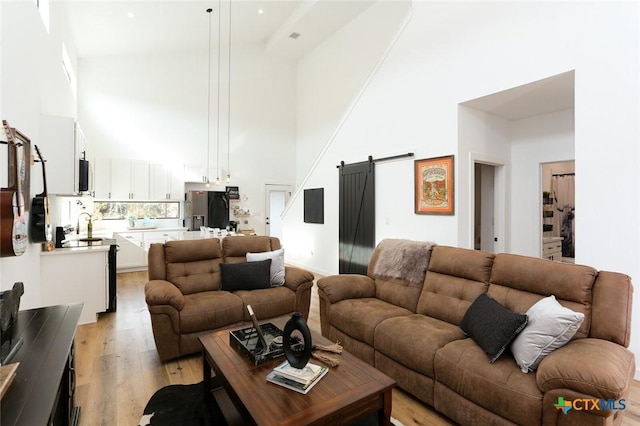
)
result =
(434, 185)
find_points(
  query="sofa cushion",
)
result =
(196, 276)
(456, 277)
(277, 264)
(192, 250)
(413, 340)
(269, 302)
(246, 276)
(589, 366)
(210, 310)
(499, 387)
(518, 282)
(359, 318)
(236, 247)
(491, 325)
(550, 326)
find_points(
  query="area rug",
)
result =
(183, 405)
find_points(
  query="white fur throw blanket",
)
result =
(404, 259)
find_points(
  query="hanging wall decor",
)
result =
(13, 208)
(434, 185)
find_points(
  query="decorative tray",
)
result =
(247, 341)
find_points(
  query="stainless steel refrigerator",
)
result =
(206, 208)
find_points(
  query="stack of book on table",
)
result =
(297, 379)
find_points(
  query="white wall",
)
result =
(536, 140)
(332, 74)
(154, 108)
(453, 52)
(31, 82)
(482, 138)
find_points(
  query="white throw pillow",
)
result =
(277, 264)
(550, 327)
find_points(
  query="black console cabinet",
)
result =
(42, 392)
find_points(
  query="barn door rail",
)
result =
(378, 160)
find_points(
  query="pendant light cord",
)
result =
(229, 104)
(218, 138)
(209, 101)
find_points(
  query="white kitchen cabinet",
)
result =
(139, 180)
(71, 276)
(131, 253)
(63, 145)
(119, 179)
(196, 174)
(102, 181)
(129, 180)
(166, 182)
(160, 236)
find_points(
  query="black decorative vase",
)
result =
(297, 352)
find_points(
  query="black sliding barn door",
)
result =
(357, 216)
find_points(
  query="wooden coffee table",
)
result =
(345, 394)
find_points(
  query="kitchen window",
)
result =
(120, 210)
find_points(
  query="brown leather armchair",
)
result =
(185, 297)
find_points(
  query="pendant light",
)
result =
(229, 102)
(218, 92)
(209, 104)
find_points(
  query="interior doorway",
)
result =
(488, 207)
(276, 199)
(558, 211)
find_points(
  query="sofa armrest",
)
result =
(160, 292)
(295, 277)
(346, 286)
(590, 366)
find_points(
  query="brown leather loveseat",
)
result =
(406, 318)
(186, 294)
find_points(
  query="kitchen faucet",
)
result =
(89, 225)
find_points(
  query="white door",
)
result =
(276, 198)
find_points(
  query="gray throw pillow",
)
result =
(245, 276)
(491, 325)
(550, 327)
(277, 264)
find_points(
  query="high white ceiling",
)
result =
(116, 27)
(544, 96)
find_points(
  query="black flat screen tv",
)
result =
(314, 205)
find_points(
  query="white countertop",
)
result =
(76, 250)
(192, 235)
(197, 235)
(178, 233)
(73, 246)
(151, 229)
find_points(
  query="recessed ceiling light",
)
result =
(131, 15)
(260, 11)
(294, 35)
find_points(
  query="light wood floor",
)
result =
(118, 369)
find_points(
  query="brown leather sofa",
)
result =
(185, 298)
(411, 331)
